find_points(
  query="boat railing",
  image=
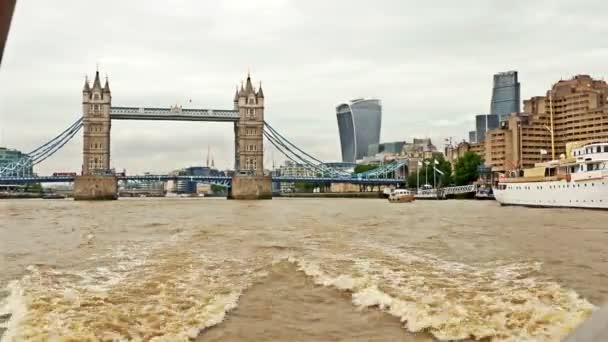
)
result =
(531, 179)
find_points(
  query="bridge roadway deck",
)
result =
(173, 114)
(217, 179)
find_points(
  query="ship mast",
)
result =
(551, 123)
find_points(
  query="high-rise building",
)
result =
(390, 148)
(505, 95)
(359, 126)
(472, 137)
(485, 123)
(579, 107)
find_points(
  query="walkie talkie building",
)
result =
(359, 126)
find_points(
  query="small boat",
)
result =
(401, 195)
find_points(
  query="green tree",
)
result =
(36, 188)
(306, 187)
(466, 168)
(218, 189)
(365, 167)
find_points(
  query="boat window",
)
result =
(599, 149)
(605, 148)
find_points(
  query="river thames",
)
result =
(297, 270)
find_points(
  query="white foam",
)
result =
(13, 305)
(453, 301)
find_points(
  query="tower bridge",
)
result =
(247, 116)
(96, 180)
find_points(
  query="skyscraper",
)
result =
(505, 95)
(472, 137)
(485, 123)
(359, 126)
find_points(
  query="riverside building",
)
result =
(580, 114)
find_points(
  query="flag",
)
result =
(543, 151)
(439, 171)
(419, 164)
(426, 162)
(436, 162)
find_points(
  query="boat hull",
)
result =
(589, 194)
(402, 199)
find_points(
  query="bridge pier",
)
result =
(250, 188)
(89, 188)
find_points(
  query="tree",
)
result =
(427, 170)
(218, 189)
(36, 188)
(306, 186)
(365, 167)
(466, 168)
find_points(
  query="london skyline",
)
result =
(432, 76)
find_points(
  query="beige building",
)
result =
(579, 114)
(452, 153)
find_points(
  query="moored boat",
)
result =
(579, 181)
(401, 196)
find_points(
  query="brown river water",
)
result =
(297, 270)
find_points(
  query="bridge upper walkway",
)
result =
(173, 114)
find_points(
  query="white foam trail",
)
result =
(13, 305)
(453, 301)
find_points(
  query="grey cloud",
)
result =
(430, 63)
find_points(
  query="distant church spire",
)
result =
(207, 156)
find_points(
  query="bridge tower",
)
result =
(96, 103)
(249, 130)
(249, 181)
(95, 183)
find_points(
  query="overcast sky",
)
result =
(430, 62)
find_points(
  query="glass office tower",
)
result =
(485, 123)
(359, 126)
(505, 95)
(472, 137)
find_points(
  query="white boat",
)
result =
(401, 196)
(580, 181)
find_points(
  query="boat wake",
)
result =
(173, 294)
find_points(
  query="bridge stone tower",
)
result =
(249, 130)
(96, 183)
(96, 103)
(249, 181)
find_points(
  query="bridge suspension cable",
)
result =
(282, 148)
(42, 152)
(287, 148)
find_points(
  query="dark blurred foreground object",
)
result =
(6, 13)
(595, 328)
